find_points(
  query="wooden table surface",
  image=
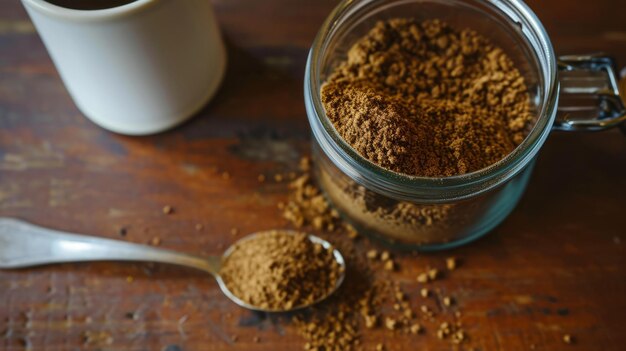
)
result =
(556, 266)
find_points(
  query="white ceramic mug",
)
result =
(139, 68)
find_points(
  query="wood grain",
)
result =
(555, 266)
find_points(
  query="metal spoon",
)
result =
(25, 245)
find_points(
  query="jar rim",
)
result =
(432, 189)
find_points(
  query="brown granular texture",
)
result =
(397, 220)
(307, 206)
(368, 299)
(401, 212)
(280, 270)
(425, 99)
(334, 331)
(335, 324)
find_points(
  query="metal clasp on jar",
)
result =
(589, 94)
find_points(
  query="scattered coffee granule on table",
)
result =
(390, 265)
(458, 336)
(307, 205)
(429, 275)
(370, 321)
(568, 339)
(426, 99)
(97, 338)
(416, 329)
(372, 254)
(351, 232)
(279, 270)
(168, 209)
(451, 263)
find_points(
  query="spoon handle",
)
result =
(25, 245)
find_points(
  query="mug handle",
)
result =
(589, 97)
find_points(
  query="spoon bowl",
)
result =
(314, 239)
(23, 244)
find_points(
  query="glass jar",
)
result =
(438, 213)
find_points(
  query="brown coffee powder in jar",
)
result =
(280, 270)
(425, 99)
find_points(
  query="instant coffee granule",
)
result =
(426, 99)
(279, 270)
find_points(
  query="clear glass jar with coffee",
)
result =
(427, 115)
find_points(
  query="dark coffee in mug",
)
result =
(89, 4)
